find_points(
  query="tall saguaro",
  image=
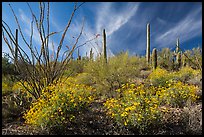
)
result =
(148, 44)
(104, 46)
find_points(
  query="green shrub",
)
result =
(185, 74)
(120, 69)
(15, 104)
(159, 77)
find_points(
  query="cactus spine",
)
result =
(104, 45)
(148, 44)
(154, 58)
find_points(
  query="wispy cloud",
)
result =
(187, 28)
(36, 36)
(111, 20)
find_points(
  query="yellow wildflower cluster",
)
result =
(185, 73)
(141, 105)
(160, 77)
(58, 103)
(177, 94)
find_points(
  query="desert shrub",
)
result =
(75, 67)
(177, 94)
(165, 59)
(134, 108)
(140, 106)
(7, 84)
(194, 59)
(192, 118)
(159, 77)
(185, 73)
(59, 104)
(107, 77)
(191, 58)
(15, 103)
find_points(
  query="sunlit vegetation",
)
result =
(157, 94)
(128, 98)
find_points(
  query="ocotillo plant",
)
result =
(91, 54)
(154, 58)
(40, 68)
(104, 45)
(16, 49)
(148, 44)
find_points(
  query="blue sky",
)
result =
(125, 24)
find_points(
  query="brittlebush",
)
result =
(59, 103)
(143, 105)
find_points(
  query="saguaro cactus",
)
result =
(177, 46)
(79, 57)
(148, 44)
(178, 60)
(91, 54)
(178, 54)
(154, 58)
(104, 45)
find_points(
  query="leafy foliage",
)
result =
(107, 77)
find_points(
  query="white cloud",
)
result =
(106, 18)
(112, 21)
(189, 27)
(36, 35)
